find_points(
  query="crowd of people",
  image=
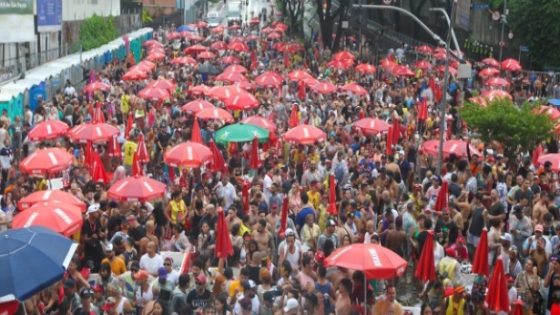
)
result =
(126, 262)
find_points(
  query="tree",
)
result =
(535, 23)
(518, 129)
(294, 10)
(327, 18)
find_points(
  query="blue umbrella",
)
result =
(32, 259)
(184, 28)
(554, 101)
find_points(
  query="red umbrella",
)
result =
(430, 147)
(551, 112)
(62, 218)
(479, 100)
(135, 75)
(365, 68)
(245, 85)
(269, 79)
(267, 30)
(201, 24)
(459, 148)
(196, 106)
(113, 148)
(188, 154)
(305, 134)
(223, 247)
(491, 62)
(496, 94)
(332, 196)
(442, 197)
(136, 188)
(163, 84)
(254, 160)
(47, 130)
(298, 75)
(500, 82)
(155, 56)
(354, 88)
(234, 27)
(9, 307)
(219, 45)
(206, 55)
(511, 65)
(215, 114)
(402, 71)
(553, 158)
(497, 297)
(142, 150)
(274, 36)
(291, 48)
(422, 110)
(95, 133)
(152, 42)
(154, 93)
(98, 173)
(376, 261)
(425, 269)
(236, 68)
(97, 86)
(218, 30)
(324, 87)
(284, 216)
(50, 195)
(372, 126)
(218, 163)
(147, 65)
(343, 55)
(260, 122)
(387, 64)
(423, 64)
(186, 60)
(280, 26)
(488, 72)
(195, 133)
(424, 49)
(46, 162)
(199, 89)
(224, 92)
(518, 308)
(441, 69)
(241, 101)
(238, 47)
(480, 262)
(228, 60)
(195, 49)
(340, 64)
(231, 77)
(255, 21)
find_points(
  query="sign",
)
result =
(49, 15)
(480, 6)
(464, 71)
(17, 21)
(524, 48)
(496, 15)
(463, 14)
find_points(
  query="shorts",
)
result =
(473, 240)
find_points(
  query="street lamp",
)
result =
(455, 42)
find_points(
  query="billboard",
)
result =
(16, 21)
(463, 14)
(49, 15)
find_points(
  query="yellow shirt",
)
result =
(129, 149)
(125, 104)
(314, 198)
(118, 265)
(178, 209)
(243, 228)
(233, 286)
(455, 308)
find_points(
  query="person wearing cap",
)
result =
(200, 296)
(505, 243)
(117, 263)
(328, 234)
(163, 288)
(520, 226)
(291, 307)
(290, 250)
(531, 242)
(71, 300)
(310, 232)
(456, 304)
(86, 304)
(249, 293)
(92, 234)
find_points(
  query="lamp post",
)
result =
(504, 21)
(455, 42)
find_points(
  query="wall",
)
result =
(73, 10)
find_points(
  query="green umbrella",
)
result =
(240, 133)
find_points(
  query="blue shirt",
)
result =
(300, 218)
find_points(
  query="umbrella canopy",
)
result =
(50, 195)
(95, 133)
(387, 64)
(218, 30)
(62, 218)
(163, 84)
(224, 92)
(402, 71)
(47, 130)
(424, 49)
(343, 55)
(240, 133)
(231, 77)
(46, 162)
(298, 75)
(479, 100)
(195, 49)
(97, 171)
(135, 75)
(442, 197)
(496, 94)
(305, 134)
(491, 62)
(215, 114)
(219, 45)
(372, 126)
(480, 262)
(154, 93)
(223, 247)
(511, 65)
(423, 64)
(186, 60)
(97, 86)
(340, 64)
(199, 89)
(500, 82)
(236, 68)
(365, 68)
(551, 112)
(229, 60)
(375, 261)
(206, 55)
(488, 72)
(553, 158)
(324, 87)
(196, 106)
(136, 188)
(241, 101)
(355, 89)
(426, 269)
(155, 56)
(268, 79)
(238, 46)
(188, 154)
(31, 259)
(260, 122)
(497, 297)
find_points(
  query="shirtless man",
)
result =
(540, 209)
(343, 305)
(272, 217)
(263, 238)
(232, 218)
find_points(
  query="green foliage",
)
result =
(146, 17)
(519, 129)
(96, 31)
(535, 24)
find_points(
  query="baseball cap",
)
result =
(141, 275)
(201, 279)
(290, 232)
(331, 222)
(539, 228)
(162, 272)
(108, 247)
(506, 237)
(249, 284)
(86, 293)
(291, 304)
(93, 208)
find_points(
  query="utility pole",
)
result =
(503, 19)
(443, 101)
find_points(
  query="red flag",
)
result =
(423, 110)
(294, 117)
(98, 173)
(232, 149)
(113, 148)
(186, 263)
(254, 160)
(98, 116)
(480, 262)
(223, 247)
(245, 196)
(129, 123)
(497, 297)
(253, 60)
(88, 154)
(218, 163)
(171, 173)
(301, 90)
(284, 217)
(332, 196)
(448, 130)
(442, 197)
(136, 167)
(361, 114)
(141, 150)
(389, 143)
(426, 270)
(396, 130)
(436, 90)
(195, 133)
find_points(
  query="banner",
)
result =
(463, 14)
(49, 15)
(17, 21)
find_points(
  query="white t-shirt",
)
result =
(151, 264)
